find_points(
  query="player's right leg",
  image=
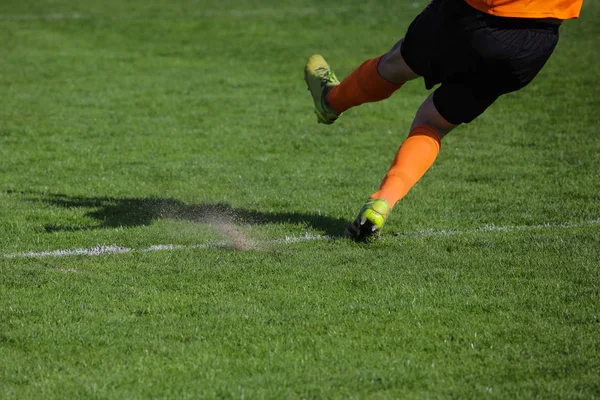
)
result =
(415, 156)
(460, 99)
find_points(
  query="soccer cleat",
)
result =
(370, 220)
(320, 79)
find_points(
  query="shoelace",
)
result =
(327, 76)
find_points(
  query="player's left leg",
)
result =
(374, 80)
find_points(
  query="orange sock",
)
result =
(363, 85)
(415, 156)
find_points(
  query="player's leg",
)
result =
(425, 44)
(374, 80)
(416, 154)
(414, 157)
(453, 103)
(393, 68)
(430, 49)
(502, 55)
(428, 115)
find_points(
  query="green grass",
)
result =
(133, 123)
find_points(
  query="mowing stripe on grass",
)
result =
(247, 13)
(260, 12)
(115, 249)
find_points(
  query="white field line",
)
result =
(114, 249)
(95, 251)
(510, 228)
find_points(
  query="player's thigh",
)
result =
(509, 58)
(436, 44)
(461, 101)
(394, 68)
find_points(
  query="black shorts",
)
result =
(475, 56)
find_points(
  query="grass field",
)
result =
(171, 214)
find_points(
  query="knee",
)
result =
(393, 68)
(428, 115)
(442, 127)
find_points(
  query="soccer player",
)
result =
(477, 50)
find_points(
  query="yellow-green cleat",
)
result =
(320, 79)
(370, 220)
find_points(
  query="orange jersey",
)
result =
(560, 9)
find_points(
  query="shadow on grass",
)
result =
(113, 212)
